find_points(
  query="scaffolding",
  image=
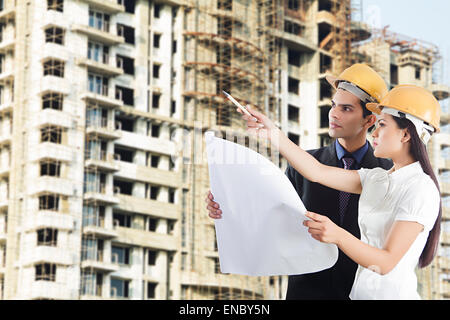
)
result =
(385, 50)
(223, 53)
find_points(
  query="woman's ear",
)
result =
(406, 136)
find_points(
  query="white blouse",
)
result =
(407, 194)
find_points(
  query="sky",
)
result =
(427, 20)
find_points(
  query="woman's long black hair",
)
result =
(419, 153)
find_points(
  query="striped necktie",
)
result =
(344, 196)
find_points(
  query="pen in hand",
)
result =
(237, 103)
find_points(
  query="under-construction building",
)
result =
(103, 106)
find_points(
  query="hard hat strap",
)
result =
(423, 130)
(354, 89)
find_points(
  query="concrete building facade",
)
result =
(103, 104)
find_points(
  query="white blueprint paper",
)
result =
(261, 231)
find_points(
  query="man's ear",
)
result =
(371, 119)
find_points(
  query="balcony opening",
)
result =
(174, 46)
(294, 57)
(50, 168)
(152, 224)
(94, 215)
(99, 20)
(224, 26)
(324, 121)
(91, 283)
(294, 5)
(130, 6)
(293, 85)
(156, 40)
(96, 116)
(51, 134)
(417, 73)
(92, 249)
(152, 254)
(52, 100)
(293, 113)
(151, 290)
(155, 100)
(156, 68)
(53, 67)
(225, 5)
(126, 64)
(155, 130)
(216, 265)
(172, 164)
(122, 220)
(295, 138)
(125, 124)
(126, 95)
(98, 52)
(45, 272)
(394, 75)
(325, 140)
(171, 195)
(325, 5)
(54, 35)
(94, 181)
(120, 288)
(324, 34)
(2, 63)
(293, 28)
(127, 33)
(173, 108)
(57, 5)
(124, 154)
(123, 187)
(49, 202)
(325, 63)
(152, 191)
(120, 255)
(47, 237)
(98, 84)
(171, 226)
(95, 149)
(325, 90)
(2, 30)
(152, 160)
(157, 10)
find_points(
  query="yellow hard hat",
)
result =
(412, 100)
(363, 77)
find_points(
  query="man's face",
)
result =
(346, 115)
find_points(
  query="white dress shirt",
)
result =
(407, 194)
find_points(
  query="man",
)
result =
(349, 121)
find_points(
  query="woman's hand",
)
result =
(322, 228)
(260, 125)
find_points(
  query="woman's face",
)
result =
(388, 139)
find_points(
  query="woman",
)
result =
(399, 209)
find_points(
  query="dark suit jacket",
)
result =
(336, 282)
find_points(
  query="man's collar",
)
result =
(358, 154)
